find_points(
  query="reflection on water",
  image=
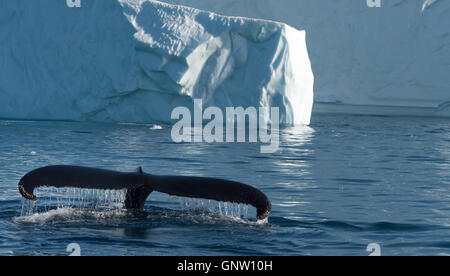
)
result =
(297, 136)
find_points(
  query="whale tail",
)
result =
(139, 186)
(214, 189)
(135, 197)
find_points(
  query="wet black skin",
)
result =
(139, 186)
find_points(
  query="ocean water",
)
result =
(336, 187)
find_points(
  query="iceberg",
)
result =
(137, 60)
(391, 60)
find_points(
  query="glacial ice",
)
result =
(392, 60)
(136, 60)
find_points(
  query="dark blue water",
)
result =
(336, 186)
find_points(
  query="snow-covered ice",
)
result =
(136, 60)
(392, 60)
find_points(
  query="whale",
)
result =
(139, 185)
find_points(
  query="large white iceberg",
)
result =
(136, 60)
(390, 60)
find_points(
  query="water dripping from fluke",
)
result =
(51, 198)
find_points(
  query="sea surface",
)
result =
(336, 186)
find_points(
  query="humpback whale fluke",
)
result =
(139, 185)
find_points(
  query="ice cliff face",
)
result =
(136, 60)
(389, 60)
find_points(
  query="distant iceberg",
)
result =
(136, 60)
